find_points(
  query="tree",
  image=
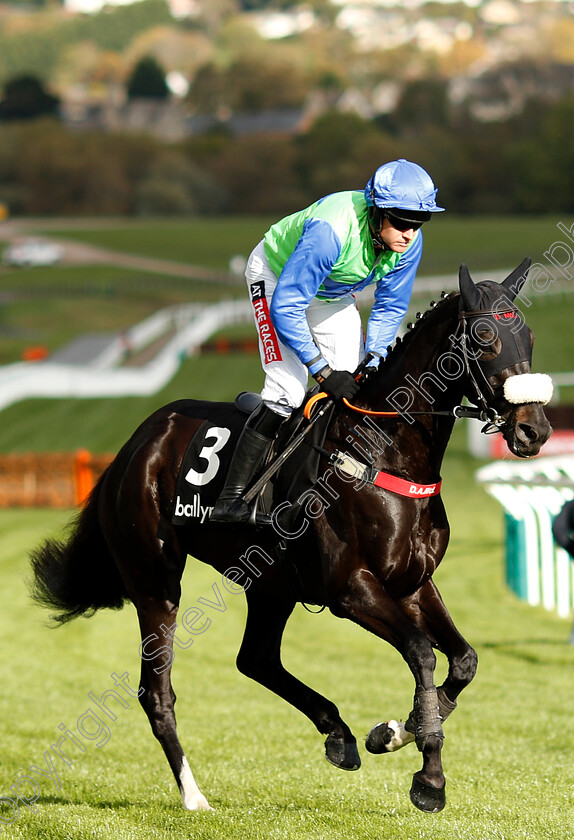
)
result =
(253, 85)
(25, 99)
(543, 163)
(174, 185)
(249, 84)
(423, 102)
(340, 152)
(147, 80)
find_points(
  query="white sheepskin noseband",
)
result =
(528, 388)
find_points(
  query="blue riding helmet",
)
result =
(401, 186)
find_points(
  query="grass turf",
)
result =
(199, 241)
(53, 306)
(484, 243)
(507, 749)
(102, 425)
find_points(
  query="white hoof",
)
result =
(198, 802)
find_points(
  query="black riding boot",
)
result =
(252, 447)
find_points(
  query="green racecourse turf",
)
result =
(508, 747)
(49, 306)
(200, 241)
(52, 306)
(102, 425)
(484, 243)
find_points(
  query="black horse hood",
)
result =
(494, 321)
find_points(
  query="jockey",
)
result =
(302, 277)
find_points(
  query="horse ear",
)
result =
(516, 279)
(469, 292)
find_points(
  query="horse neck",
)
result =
(419, 376)
(425, 370)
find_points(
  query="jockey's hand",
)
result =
(337, 383)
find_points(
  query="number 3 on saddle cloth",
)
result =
(208, 456)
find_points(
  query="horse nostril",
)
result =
(528, 432)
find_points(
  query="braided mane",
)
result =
(414, 327)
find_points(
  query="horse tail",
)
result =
(77, 576)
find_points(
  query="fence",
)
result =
(192, 326)
(532, 494)
(50, 479)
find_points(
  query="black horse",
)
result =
(366, 552)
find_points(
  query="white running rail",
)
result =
(191, 324)
(532, 494)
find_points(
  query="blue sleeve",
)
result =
(392, 297)
(314, 256)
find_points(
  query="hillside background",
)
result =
(221, 106)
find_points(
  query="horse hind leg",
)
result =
(157, 698)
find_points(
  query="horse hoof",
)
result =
(197, 803)
(378, 738)
(343, 754)
(388, 737)
(427, 798)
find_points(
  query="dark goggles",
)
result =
(401, 224)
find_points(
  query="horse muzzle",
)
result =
(526, 430)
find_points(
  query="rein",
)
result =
(459, 411)
(312, 401)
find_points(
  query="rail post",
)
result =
(83, 475)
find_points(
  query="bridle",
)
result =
(472, 369)
(476, 374)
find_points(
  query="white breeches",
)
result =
(335, 326)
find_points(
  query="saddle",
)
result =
(208, 456)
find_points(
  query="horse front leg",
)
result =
(366, 602)
(429, 614)
(260, 659)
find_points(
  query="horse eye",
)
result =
(486, 336)
(490, 344)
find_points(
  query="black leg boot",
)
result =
(252, 447)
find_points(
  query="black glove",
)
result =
(337, 383)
